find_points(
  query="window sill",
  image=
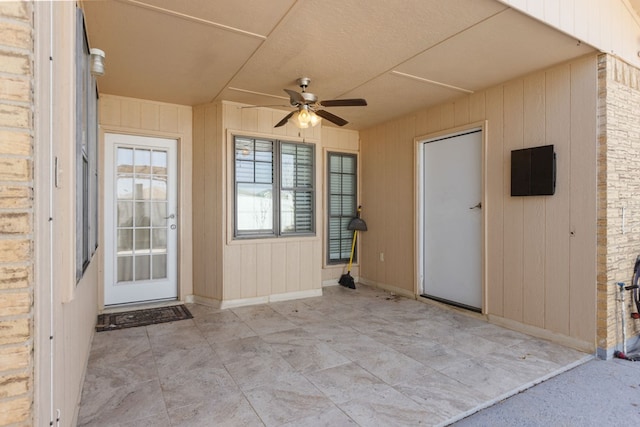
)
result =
(271, 240)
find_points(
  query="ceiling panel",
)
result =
(256, 16)
(500, 48)
(390, 96)
(189, 64)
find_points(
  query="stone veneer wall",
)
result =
(618, 192)
(16, 210)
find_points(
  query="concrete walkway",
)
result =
(597, 393)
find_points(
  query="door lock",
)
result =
(478, 206)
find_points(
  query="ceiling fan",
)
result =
(307, 111)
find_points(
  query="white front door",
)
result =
(452, 223)
(140, 219)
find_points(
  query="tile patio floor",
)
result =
(351, 357)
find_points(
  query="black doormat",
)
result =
(150, 316)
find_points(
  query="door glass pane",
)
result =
(142, 214)
(142, 240)
(159, 188)
(159, 214)
(159, 270)
(124, 160)
(159, 162)
(125, 241)
(125, 269)
(159, 242)
(143, 267)
(124, 187)
(125, 214)
(142, 185)
(142, 161)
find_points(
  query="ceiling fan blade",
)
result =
(295, 96)
(284, 120)
(332, 117)
(357, 102)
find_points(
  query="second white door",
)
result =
(452, 223)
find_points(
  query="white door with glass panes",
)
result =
(140, 219)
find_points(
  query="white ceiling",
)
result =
(401, 55)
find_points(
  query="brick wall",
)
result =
(16, 222)
(618, 192)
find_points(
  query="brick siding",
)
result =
(618, 189)
(16, 210)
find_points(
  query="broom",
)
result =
(356, 225)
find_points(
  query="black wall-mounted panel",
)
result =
(533, 171)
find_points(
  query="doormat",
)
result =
(150, 316)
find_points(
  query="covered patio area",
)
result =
(350, 357)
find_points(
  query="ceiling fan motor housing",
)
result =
(309, 98)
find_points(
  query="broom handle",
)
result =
(353, 246)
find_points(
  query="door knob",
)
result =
(478, 206)
(170, 216)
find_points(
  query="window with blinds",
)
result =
(274, 188)
(342, 186)
(86, 154)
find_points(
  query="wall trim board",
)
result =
(243, 302)
(334, 282)
(207, 302)
(546, 334)
(295, 295)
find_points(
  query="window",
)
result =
(274, 188)
(342, 187)
(86, 153)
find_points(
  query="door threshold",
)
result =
(139, 305)
(453, 303)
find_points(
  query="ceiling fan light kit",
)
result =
(308, 112)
